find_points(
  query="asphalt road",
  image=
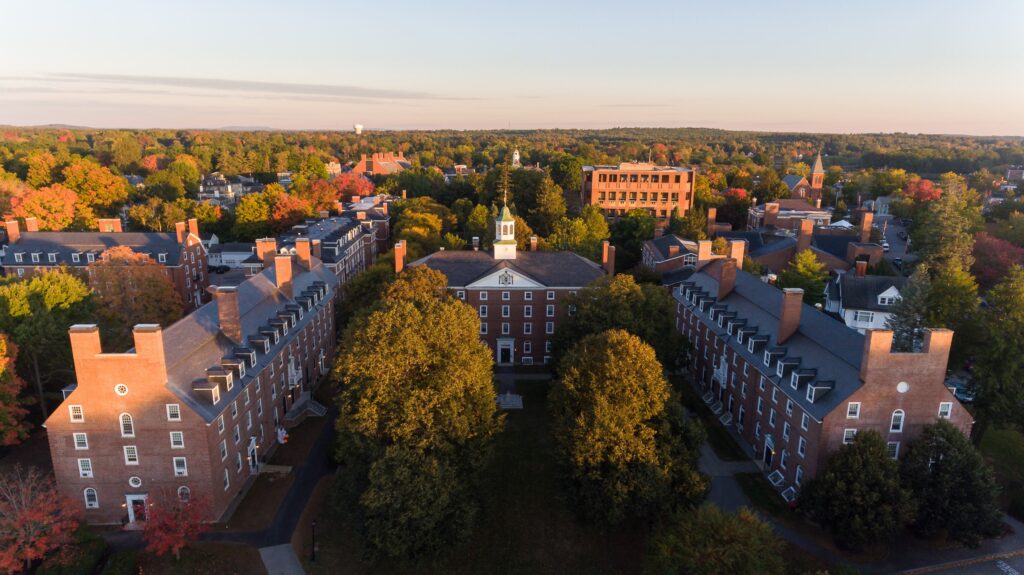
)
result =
(892, 227)
(1010, 566)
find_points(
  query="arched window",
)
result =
(127, 426)
(184, 494)
(896, 426)
(92, 501)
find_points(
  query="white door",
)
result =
(136, 508)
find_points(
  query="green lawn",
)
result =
(718, 438)
(1004, 450)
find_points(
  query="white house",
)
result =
(862, 301)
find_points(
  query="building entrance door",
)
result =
(505, 352)
(136, 508)
(769, 452)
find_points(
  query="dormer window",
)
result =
(52, 257)
(162, 258)
(90, 257)
(883, 300)
(794, 381)
(18, 257)
(810, 393)
(229, 382)
(76, 257)
(767, 358)
(779, 367)
(35, 258)
(750, 345)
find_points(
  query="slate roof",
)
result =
(793, 180)
(821, 343)
(66, 243)
(862, 292)
(553, 269)
(663, 243)
(195, 343)
(761, 243)
(678, 276)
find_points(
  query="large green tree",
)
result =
(693, 226)
(943, 234)
(908, 317)
(629, 234)
(709, 541)
(999, 375)
(857, 495)
(954, 487)
(550, 208)
(806, 272)
(628, 449)
(582, 235)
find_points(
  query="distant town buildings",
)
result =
(800, 187)
(1015, 173)
(381, 164)
(217, 189)
(519, 296)
(182, 253)
(633, 185)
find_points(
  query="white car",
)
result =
(885, 246)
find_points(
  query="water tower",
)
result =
(358, 128)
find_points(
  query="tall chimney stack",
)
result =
(399, 256)
(179, 231)
(283, 273)
(712, 218)
(31, 224)
(727, 278)
(703, 251)
(862, 268)
(109, 225)
(866, 219)
(789, 315)
(610, 264)
(266, 249)
(228, 313)
(193, 227)
(803, 239)
(533, 243)
(738, 251)
(304, 252)
(13, 231)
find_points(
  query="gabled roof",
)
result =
(66, 243)
(862, 292)
(553, 269)
(793, 180)
(661, 245)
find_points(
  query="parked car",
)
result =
(897, 263)
(885, 246)
(901, 235)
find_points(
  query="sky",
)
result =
(843, 66)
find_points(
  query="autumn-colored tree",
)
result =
(53, 206)
(993, 258)
(152, 162)
(738, 194)
(131, 289)
(99, 190)
(252, 215)
(171, 524)
(10, 187)
(319, 194)
(35, 519)
(921, 190)
(288, 210)
(13, 428)
(126, 150)
(40, 169)
(350, 184)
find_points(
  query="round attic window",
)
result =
(902, 387)
(135, 481)
(121, 389)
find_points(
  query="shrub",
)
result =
(79, 558)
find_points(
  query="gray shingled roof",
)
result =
(195, 343)
(792, 180)
(664, 242)
(834, 244)
(553, 269)
(821, 343)
(66, 243)
(862, 292)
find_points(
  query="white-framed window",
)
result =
(894, 449)
(884, 300)
(528, 311)
(461, 295)
(801, 447)
(85, 468)
(945, 410)
(860, 316)
(215, 395)
(227, 479)
(180, 467)
(789, 407)
(81, 441)
(771, 417)
(785, 430)
(483, 311)
(805, 422)
(506, 296)
(799, 477)
(177, 440)
(238, 434)
(549, 310)
(896, 423)
(849, 435)
(505, 311)
(76, 257)
(248, 420)
(527, 347)
(131, 455)
(259, 406)
(528, 296)
(35, 257)
(527, 329)
(483, 328)
(127, 425)
(76, 413)
(19, 257)
(247, 396)
(173, 412)
(483, 296)
(505, 328)
(234, 409)
(760, 405)
(784, 459)
(743, 389)
(551, 295)
(52, 258)
(853, 410)
(761, 383)
(757, 430)
(220, 424)
(161, 258)
(238, 462)
(549, 327)
(775, 394)
(184, 494)
(547, 347)
(223, 449)
(92, 500)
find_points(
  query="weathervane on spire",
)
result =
(504, 185)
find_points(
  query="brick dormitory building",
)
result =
(182, 254)
(193, 409)
(633, 185)
(796, 383)
(519, 296)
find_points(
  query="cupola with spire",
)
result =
(505, 232)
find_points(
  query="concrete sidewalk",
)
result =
(281, 560)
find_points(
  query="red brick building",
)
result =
(182, 254)
(797, 384)
(381, 164)
(628, 186)
(519, 296)
(193, 410)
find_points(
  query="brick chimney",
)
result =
(266, 249)
(304, 252)
(193, 227)
(324, 214)
(228, 313)
(180, 229)
(384, 208)
(712, 218)
(771, 214)
(608, 257)
(31, 225)
(360, 215)
(789, 315)
(726, 278)
(866, 220)
(533, 243)
(109, 225)
(13, 231)
(703, 251)
(85, 344)
(316, 249)
(861, 267)
(803, 239)
(283, 273)
(355, 199)
(737, 251)
(399, 256)
(817, 203)
(149, 342)
(403, 195)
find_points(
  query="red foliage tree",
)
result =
(53, 206)
(287, 211)
(993, 257)
(735, 193)
(153, 162)
(920, 190)
(320, 195)
(34, 518)
(171, 524)
(13, 427)
(349, 184)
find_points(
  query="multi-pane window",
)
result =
(505, 328)
(527, 329)
(896, 424)
(771, 417)
(853, 410)
(805, 422)
(238, 462)
(223, 449)
(506, 296)
(220, 424)
(81, 441)
(127, 426)
(799, 477)
(483, 328)
(528, 296)
(945, 410)
(551, 295)
(505, 311)
(76, 413)
(785, 431)
(238, 435)
(789, 407)
(760, 405)
(173, 412)
(863, 316)
(248, 420)
(528, 311)
(227, 479)
(85, 468)
(483, 311)
(549, 310)
(92, 500)
(801, 447)
(234, 409)
(247, 397)
(184, 494)
(549, 327)
(849, 435)
(131, 455)
(483, 295)
(180, 467)
(177, 440)
(894, 449)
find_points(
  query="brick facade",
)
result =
(628, 186)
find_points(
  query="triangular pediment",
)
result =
(506, 277)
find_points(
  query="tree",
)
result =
(53, 207)
(36, 313)
(628, 449)
(693, 226)
(953, 303)
(857, 494)
(582, 235)
(131, 289)
(351, 184)
(907, 317)
(41, 168)
(618, 302)
(13, 427)
(252, 215)
(709, 541)
(171, 524)
(999, 375)
(451, 241)
(480, 225)
(629, 234)
(126, 150)
(771, 187)
(567, 172)
(421, 229)
(944, 231)
(99, 190)
(806, 272)
(954, 487)
(286, 211)
(1011, 228)
(919, 191)
(165, 185)
(186, 169)
(550, 208)
(35, 519)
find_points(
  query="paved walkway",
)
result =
(281, 560)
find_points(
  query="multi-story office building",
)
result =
(629, 186)
(193, 410)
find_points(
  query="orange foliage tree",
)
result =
(131, 288)
(921, 190)
(53, 206)
(35, 519)
(13, 427)
(171, 524)
(288, 210)
(99, 190)
(349, 184)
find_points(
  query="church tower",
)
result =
(817, 177)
